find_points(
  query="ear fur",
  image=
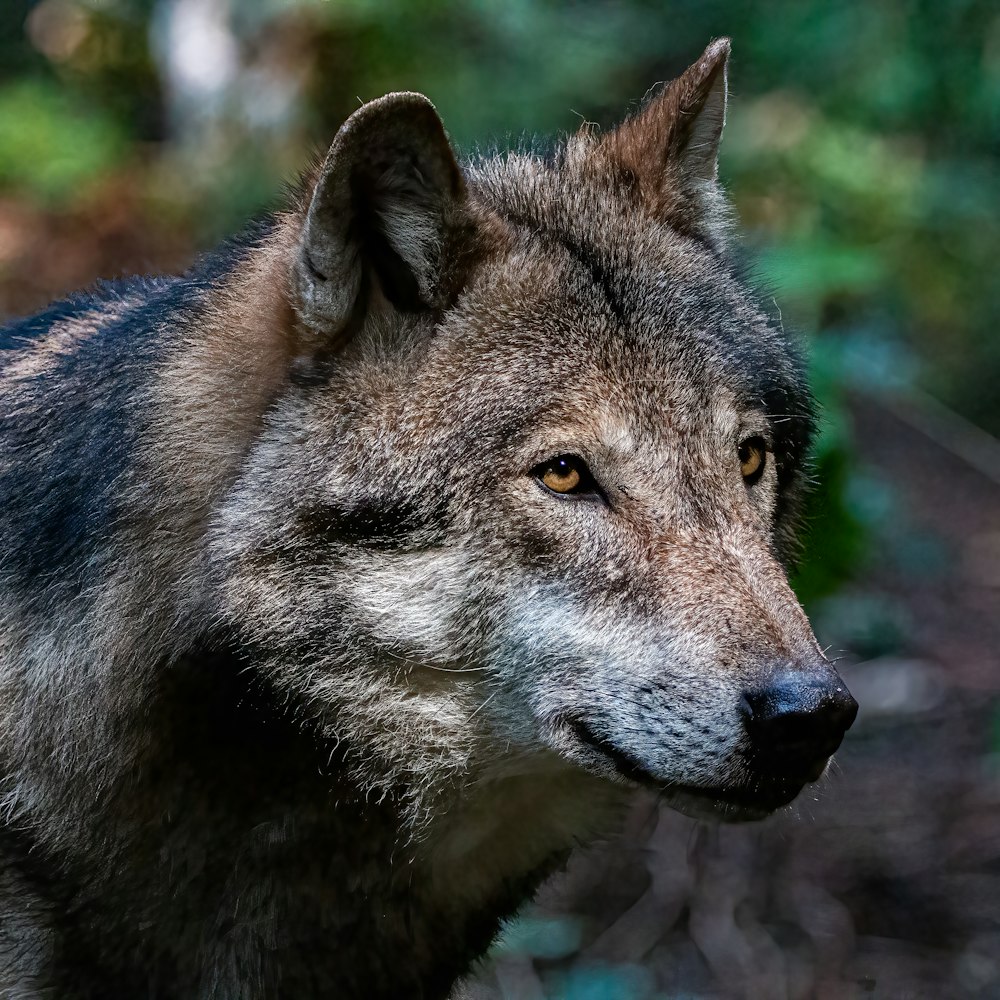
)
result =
(671, 145)
(700, 94)
(389, 196)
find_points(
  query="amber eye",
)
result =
(753, 454)
(566, 475)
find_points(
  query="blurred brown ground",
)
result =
(107, 234)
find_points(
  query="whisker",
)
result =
(482, 706)
(425, 665)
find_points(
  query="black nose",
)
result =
(799, 720)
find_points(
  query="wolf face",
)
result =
(532, 503)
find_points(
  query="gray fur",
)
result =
(306, 680)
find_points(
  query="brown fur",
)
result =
(306, 679)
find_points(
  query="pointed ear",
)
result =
(384, 212)
(672, 144)
(700, 95)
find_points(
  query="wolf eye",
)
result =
(753, 454)
(566, 475)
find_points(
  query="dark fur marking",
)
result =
(398, 527)
(584, 255)
(36, 867)
(80, 442)
(537, 549)
(626, 182)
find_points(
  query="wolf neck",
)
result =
(492, 842)
(281, 839)
(512, 825)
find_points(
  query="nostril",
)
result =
(799, 716)
(842, 708)
(787, 727)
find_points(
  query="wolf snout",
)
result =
(797, 721)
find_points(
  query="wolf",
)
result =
(352, 578)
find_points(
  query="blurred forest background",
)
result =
(862, 155)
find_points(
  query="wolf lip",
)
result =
(716, 802)
(625, 764)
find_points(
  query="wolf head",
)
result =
(528, 474)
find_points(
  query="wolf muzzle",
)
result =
(797, 721)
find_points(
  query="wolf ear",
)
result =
(388, 200)
(671, 145)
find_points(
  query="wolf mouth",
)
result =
(729, 804)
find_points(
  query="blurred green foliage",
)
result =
(52, 144)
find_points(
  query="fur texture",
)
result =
(306, 676)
